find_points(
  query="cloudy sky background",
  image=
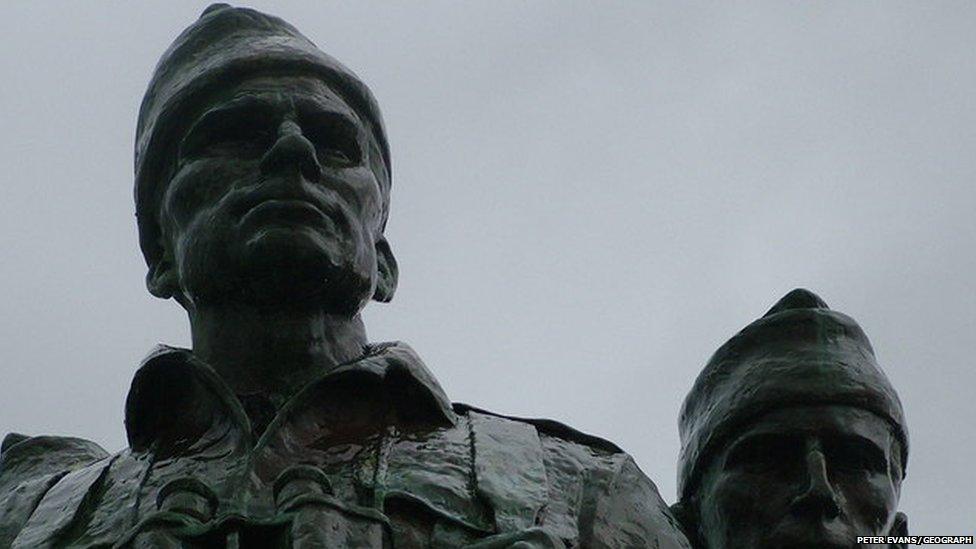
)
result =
(589, 198)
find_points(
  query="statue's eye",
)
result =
(853, 454)
(335, 137)
(229, 132)
(765, 454)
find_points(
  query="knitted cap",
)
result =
(799, 353)
(226, 45)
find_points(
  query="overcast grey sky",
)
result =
(589, 198)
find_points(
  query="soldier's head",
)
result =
(262, 172)
(792, 436)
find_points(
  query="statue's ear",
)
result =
(161, 280)
(688, 520)
(386, 267)
(899, 528)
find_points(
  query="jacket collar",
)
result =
(176, 398)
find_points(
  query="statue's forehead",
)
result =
(821, 420)
(303, 92)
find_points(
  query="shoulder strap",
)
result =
(550, 427)
(510, 473)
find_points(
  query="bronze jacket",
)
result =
(371, 454)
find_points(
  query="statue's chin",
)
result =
(300, 275)
(281, 267)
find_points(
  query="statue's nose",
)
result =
(818, 498)
(292, 151)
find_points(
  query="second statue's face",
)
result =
(275, 200)
(804, 477)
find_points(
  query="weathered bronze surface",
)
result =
(262, 191)
(792, 436)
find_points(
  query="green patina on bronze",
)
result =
(262, 192)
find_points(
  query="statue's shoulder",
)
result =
(29, 467)
(24, 457)
(585, 488)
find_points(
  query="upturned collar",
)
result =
(175, 398)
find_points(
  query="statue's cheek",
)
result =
(870, 503)
(746, 507)
(361, 193)
(729, 500)
(202, 184)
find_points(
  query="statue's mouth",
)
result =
(285, 206)
(287, 210)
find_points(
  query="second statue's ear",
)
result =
(161, 280)
(386, 267)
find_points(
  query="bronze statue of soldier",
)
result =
(262, 187)
(792, 436)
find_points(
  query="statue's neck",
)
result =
(271, 353)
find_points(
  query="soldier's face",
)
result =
(813, 476)
(275, 199)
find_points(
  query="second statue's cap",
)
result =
(799, 353)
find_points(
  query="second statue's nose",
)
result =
(292, 151)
